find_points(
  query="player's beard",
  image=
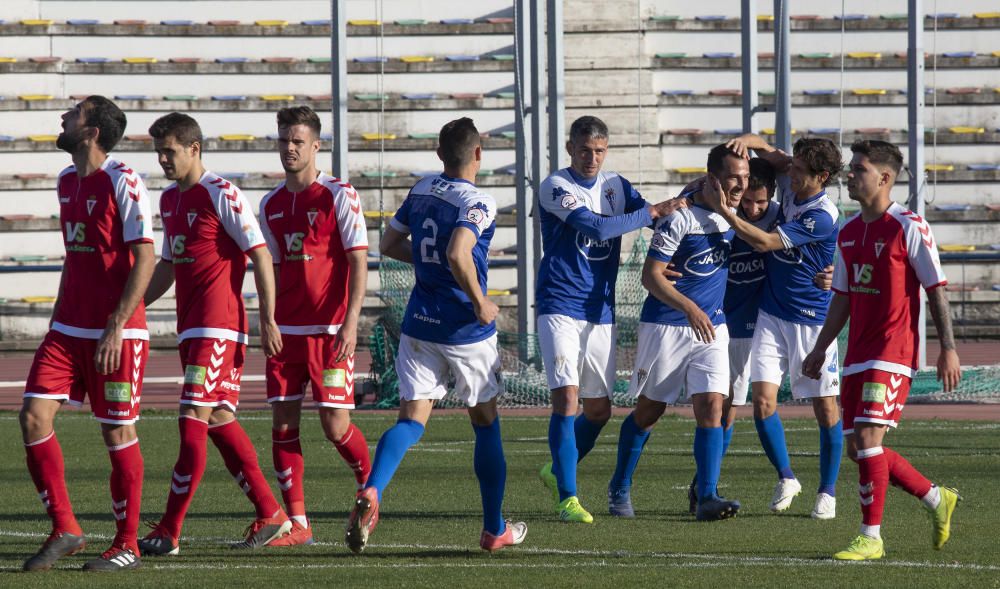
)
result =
(69, 142)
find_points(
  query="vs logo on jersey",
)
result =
(75, 232)
(177, 245)
(863, 273)
(293, 241)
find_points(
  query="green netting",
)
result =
(523, 374)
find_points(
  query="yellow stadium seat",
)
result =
(237, 137)
(378, 215)
(868, 92)
(36, 22)
(8, 60)
(272, 97)
(995, 54)
(139, 60)
(772, 131)
(967, 130)
(766, 17)
(986, 14)
(496, 292)
(378, 136)
(691, 170)
(38, 299)
(939, 168)
(364, 22)
(36, 97)
(956, 248)
(864, 55)
(416, 58)
(42, 138)
(271, 23)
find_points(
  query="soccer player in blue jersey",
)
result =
(683, 340)
(743, 289)
(444, 228)
(584, 212)
(792, 309)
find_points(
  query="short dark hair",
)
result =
(587, 127)
(180, 126)
(716, 156)
(880, 153)
(457, 142)
(762, 175)
(299, 115)
(820, 155)
(109, 120)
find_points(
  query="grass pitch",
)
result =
(431, 518)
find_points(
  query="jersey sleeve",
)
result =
(633, 200)
(555, 198)
(477, 213)
(134, 207)
(666, 237)
(350, 218)
(840, 285)
(813, 225)
(401, 220)
(272, 243)
(922, 252)
(237, 218)
(165, 252)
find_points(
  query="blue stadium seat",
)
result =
(92, 60)
(82, 21)
(820, 92)
(984, 167)
(371, 59)
(953, 207)
(319, 22)
(711, 17)
(959, 54)
(177, 22)
(462, 57)
(718, 54)
(133, 97)
(229, 97)
(231, 59)
(823, 130)
(457, 21)
(418, 96)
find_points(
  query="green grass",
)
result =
(431, 514)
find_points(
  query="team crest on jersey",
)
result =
(91, 202)
(191, 216)
(477, 213)
(609, 195)
(879, 246)
(657, 242)
(311, 215)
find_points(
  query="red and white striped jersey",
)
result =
(207, 231)
(309, 233)
(100, 216)
(881, 267)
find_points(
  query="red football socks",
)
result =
(873, 480)
(45, 463)
(354, 449)
(126, 492)
(903, 475)
(188, 470)
(241, 460)
(286, 450)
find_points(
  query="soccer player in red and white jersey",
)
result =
(98, 344)
(887, 254)
(315, 229)
(209, 230)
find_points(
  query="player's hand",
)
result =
(346, 340)
(824, 279)
(270, 338)
(486, 311)
(714, 196)
(693, 186)
(667, 207)
(702, 325)
(108, 357)
(671, 274)
(812, 366)
(739, 146)
(777, 158)
(949, 371)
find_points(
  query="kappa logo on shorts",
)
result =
(194, 374)
(118, 392)
(873, 392)
(335, 378)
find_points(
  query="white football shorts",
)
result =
(424, 368)
(670, 360)
(739, 368)
(780, 346)
(578, 353)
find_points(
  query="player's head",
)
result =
(760, 189)
(459, 146)
(731, 170)
(94, 120)
(298, 137)
(816, 161)
(587, 145)
(177, 140)
(873, 168)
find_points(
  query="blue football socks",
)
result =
(772, 438)
(831, 446)
(491, 470)
(586, 435)
(562, 444)
(631, 441)
(392, 446)
(708, 458)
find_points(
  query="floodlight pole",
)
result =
(338, 75)
(915, 128)
(557, 86)
(782, 77)
(748, 63)
(523, 93)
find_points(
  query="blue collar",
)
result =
(581, 180)
(450, 179)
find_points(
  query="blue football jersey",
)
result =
(808, 230)
(698, 241)
(580, 252)
(746, 279)
(439, 310)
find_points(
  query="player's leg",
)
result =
(333, 392)
(865, 448)
(350, 443)
(632, 438)
(769, 363)
(597, 384)
(708, 437)
(50, 383)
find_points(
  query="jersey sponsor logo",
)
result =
(311, 216)
(274, 216)
(230, 386)
(194, 374)
(873, 392)
(335, 378)
(609, 195)
(789, 256)
(76, 232)
(118, 392)
(478, 213)
(439, 186)
(593, 249)
(742, 271)
(862, 274)
(879, 246)
(177, 249)
(293, 244)
(91, 203)
(709, 261)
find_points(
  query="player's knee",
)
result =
(336, 423)
(34, 423)
(597, 413)
(763, 408)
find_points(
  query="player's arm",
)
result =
(59, 295)
(836, 318)
(263, 276)
(347, 336)
(655, 280)
(109, 348)
(463, 268)
(949, 370)
(396, 244)
(600, 228)
(759, 240)
(159, 284)
(742, 145)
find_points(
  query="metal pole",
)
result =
(748, 34)
(915, 128)
(557, 84)
(533, 250)
(525, 201)
(338, 74)
(782, 77)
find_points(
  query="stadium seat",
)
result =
(457, 21)
(719, 55)
(92, 60)
(410, 22)
(966, 130)
(850, 17)
(952, 207)
(318, 22)
(984, 167)
(177, 23)
(678, 92)
(864, 55)
(417, 58)
(427, 135)
(223, 23)
(271, 23)
(77, 22)
(964, 90)
(370, 97)
(371, 59)
(132, 97)
(45, 59)
(378, 136)
(959, 54)
(820, 92)
(868, 91)
(673, 55)
(939, 168)
(462, 58)
(986, 15)
(229, 97)
(185, 60)
(466, 95)
(236, 137)
(364, 22)
(277, 59)
(711, 17)
(956, 247)
(33, 97)
(817, 55)
(418, 96)
(36, 22)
